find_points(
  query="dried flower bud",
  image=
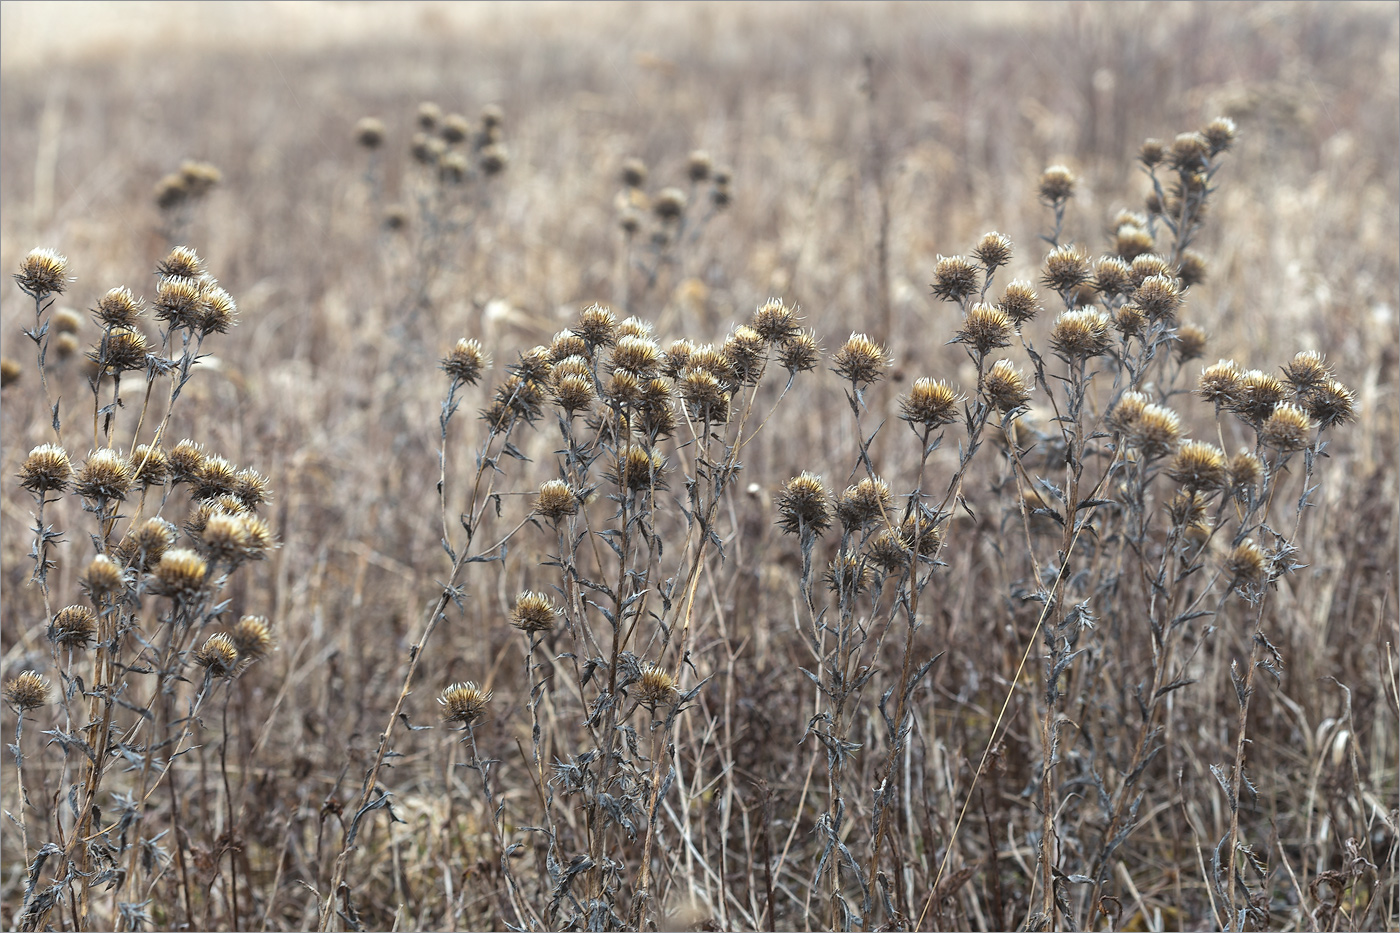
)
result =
(556, 500)
(105, 475)
(745, 348)
(804, 504)
(799, 353)
(73, 627)
(145, 544)
(466, 362)
(597, 326)
(1190, 342)
(46, 469)
(464, 703)
(1005, 387)
(774, 321)
(930, 404)
(1219, 134)
(1066, 268)
(1080, 334)
(43, 272)
(955, 278)
(1247, 564)
(655, 687)
(10, 372)
(252, 637)
(1199, 466)
(1307, 370)
(103, 578)
(922, 533)
(862, 361)
(1220, 383)
(1330, 403)
(218, 656)
(985, 328)
(1192, 269)
(1131, 241)
(993, 251)
(27, 691)
(1019, 302)
(1158, 296)
(186, 460)
(1288, 428)
(533, 612)
(1056, 185)
(171, 191)
(1256, 396)
(1152, 153)
(574, 393)
(848, 574)
(180, 574)
(1156, 431)
(862, 504)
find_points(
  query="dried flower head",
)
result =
(656, 687)
(922, 532)
(102, 578)
(215, 477)
(1056, 185)
(186, 460)
(1158, 296)
(639, 468)
(1005, 387)
(1130, 241)
(105, 475)
(1152, 153)
(1187, 507)
(634, 173)
(861, 360)
(1256, 396)
(225, 538)
(455, 129)
(218, 656)
(466, 362)
(492, 116)
(863, 504)
(1080, 334)
(65, 321)
(1156, 431)
(42, 273)
(804, 505)
(1192, 268)
(1246, 470)
(253, 638)
(637, 355)
(955, 278)
(573, 392)
(889, 551)
(151, 465)
(676, 357)
(28, 691)
(556, 500)
(985, 328)
(1189, 153)
(65, 345)
(181, 262)
(1199, 466)
(1247, 564)
(1190, 342)
(171, 191)
(259, 537)
(597, 326)
(669, 204)
(622, 388)
(993, 251)
(493, 159)
(251, 487)
(1125, 414)
(10, 372)
(1219, 134)
(534, 612)
(1288, 428)
(426, 149)
(745, 349)
(144, 545)
(180, 574)
(464, 703)
(1147, 265)
(1113, 276)
(698, 165)
(848, 574)
(1330, 403)
(1130, 321)
(73, 627)
(46, 469)
(369, 132)
(930, 404)
(774, 321)
(179, 301)
(1220, 383)
(199, 177)
(121, 349)
(705, 396)
(1307, 370)
(799, 353)
(429, 115)
(1019, 302)
(1066, 268)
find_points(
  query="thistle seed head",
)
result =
(151, 465)
(1019, 302)
(1288, 428)
(1156, 431)
(464, 703)
(1057, 185)
(218, 656)
(1005, 387)
(556, 500)
(1131, 241)
(121, 350)
(1192, 269)
(1080, 334)
(656, 687)
(1219, 134)
(1200, 467)
(634, 173)
(186, 461)
(1330, 403)
(698, 165)
(955, 278)
(848, 574)
(804, 503)
(1247, 564)
(639, 468)
(597, 326)
(180, 574)
(253, 638)
(669, 204)
(861, 361)
(677, 357)
(103, 578)
(1066, 268)
(705, 396)
(10, 372)
(1113, 276)
(1130, 321)
(863, 504)
(1220, 383)
(985, 328)
(1158, 296)
(930, 404)
(993, 251)
(1256, 396)
(144, 545)
(775, 322)
(745, 349)
(369, 132)
(1307, 370)
(216, 477)
(43, 272)
(534, 612)
(799, 353)
(1190, 342)
(1147, 265)
(46, 469)
(179, 301)
(27, 691)
(105, 475)
(73, 627)
(466, 362)
(638, 355)
(1189, 153)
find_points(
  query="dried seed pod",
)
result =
(466, 362)
(46, 469)
(1006, 387)
(105, 475)
(955, 278)
(656, 687)
(1057, 185)
(985, 329)
(464, 703)
(1199, 466)
(43, 272)
(861, 361)
(1080, 334)
(1019, 302)
(930, 404)
(1066, 268)
(556, 500)
(27, 691)
(1190, 342)
(73, 627)
(218, 656)
(1288, 428)
(534, 613)
(863, 504)
(103, 578)
(804, 504)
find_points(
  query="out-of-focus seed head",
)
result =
(1246, 470)
(993, 251)
(369, 132)
(43, 272)
(712, 360)
(861, 361)
(863, 504)
(1197, 533)
(955, 278)
(656, 687)
(1189, 153)
(199, 177)
(556, 500)
(1220, 383)
(1113, 276)
(65, 345)
(1256, 396)
(1158, 296)
(121, 350)
(1192, 269)
(186, 460)
(180, 574)
(102, 578)
(1130, 321)
(455, 129)
(985, 328)
(1156, 431)
(1066, 268)
(1124, 416)
(1219, 134)
(848, 574)
(1307, 370)
(429, 115)
(639, 468)
(534, 612)
(1199, 466)
(395, 217)
(930, 404)
(182, 262)
(1247, 564)
(1288, 428)
(425, 149)
(1006, 387)
(1190, 342)
(105, 475)
(638, 355)
(46, 469)
(218, 656)
(1147, 265)
(144, 545)
(492, 116)
(669, 204)
(453, 167)
(464, 703)
(216, 477)
(745, 349)
(73, 627)
(1187, 508)
(171, 191)
(804, 504)
(597, 326)
(774, 321)
(634, 173)
(634, 327)
(698, 165)
(1130, 241)
(515, 399)
(565, 344)
(259, 537)
(1057, 185)
(65, 321)
(1152, 153)
(1080, 334)
(1330, 403)
(466, 362)
(10, 372)
(151, 465)
(253, 637)
(799, 353)
(1019, 302)
(28, 691)
(493, 159)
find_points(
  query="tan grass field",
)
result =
(396, 681)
